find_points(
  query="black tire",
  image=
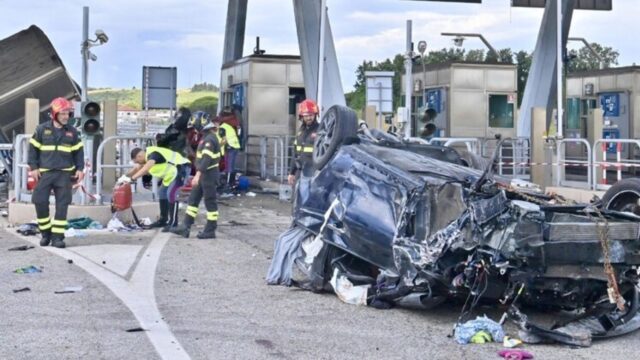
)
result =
(338, 124)
(623, 196)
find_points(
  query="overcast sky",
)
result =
(189, 33)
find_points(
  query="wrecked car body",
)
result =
(388, 223)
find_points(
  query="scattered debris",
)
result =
(250, 194)
(138, 329)
(79, 223)
(74, 233)
(481, 337)
(24, 289)
(69, 290)
(28, 229)
(510, 342)
(237, 223)
(31, 269)
(464, 333)
(21, 248)
(515, 354)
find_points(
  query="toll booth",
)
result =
(617, 92)
(465, 99)
(263, 90)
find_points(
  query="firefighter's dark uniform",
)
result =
(302, 161)
(58, 153)
(208, 157)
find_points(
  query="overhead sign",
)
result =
(159, 87)
(379, 87)
(579, 4)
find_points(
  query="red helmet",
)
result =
(307, 107)
(60, 104)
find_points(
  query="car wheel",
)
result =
(338, 124)
(623, 196)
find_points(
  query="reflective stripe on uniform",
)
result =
(212, 216)
(35, 143)
(65, 169)
(304, 149)
(213, 166)
(44, 224)
(57, 230)
(211, 154)
(44, 227)
(59, 226)
(192, 211)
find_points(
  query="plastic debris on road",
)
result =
(464, 332)
(80, 223)
(510, 342)
(24, 289)
(346, 291)
(250, 194)
(28, 229)
(481, 337)
(28, 270)
(74, 233)
(21, 248)
(69, 290)
(515, 354)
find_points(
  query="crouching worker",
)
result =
(56, 161)
(169, 166)
(205, 184)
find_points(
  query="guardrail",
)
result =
(564, 162)
(20, 167)
(6, 157)
(514, 158)
(605, 164)
(472, 144)
(123, 147)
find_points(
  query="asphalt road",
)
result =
(214, 299)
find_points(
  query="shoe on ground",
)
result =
(181, 230)
(207, 235)
(58, 244)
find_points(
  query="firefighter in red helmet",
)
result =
(56, 161)
(301, 162)
(301, 167)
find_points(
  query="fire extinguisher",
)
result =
(31, 183)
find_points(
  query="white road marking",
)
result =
(138, 294)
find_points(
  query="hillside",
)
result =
(133, 97)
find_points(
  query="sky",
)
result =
(189, 34)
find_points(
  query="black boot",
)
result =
(164, 214)
(173, 217)
(57, 240)
(184, 230)
(209, 231)
(46, 238)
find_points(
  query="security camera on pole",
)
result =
(90, 111)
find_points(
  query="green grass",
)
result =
(133, 97)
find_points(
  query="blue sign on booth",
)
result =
(610, 103)
(433, 100)
(238, 95)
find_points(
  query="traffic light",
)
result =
(90, 118)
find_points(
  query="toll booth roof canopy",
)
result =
(264, 58)
(417, 67)
(608, 71)
(25, 56)
(29, 68)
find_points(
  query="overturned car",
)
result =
(386, 222)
